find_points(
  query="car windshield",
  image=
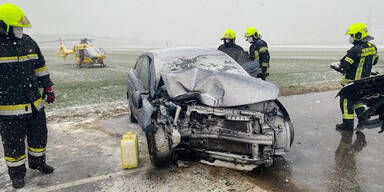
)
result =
(212, 61)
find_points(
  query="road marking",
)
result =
(91, 179)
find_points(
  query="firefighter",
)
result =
(231, 48)
(22, 73)
(258, 51)
(357, 64)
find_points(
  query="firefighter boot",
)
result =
(17, 175)
(43, 168)
(18, 183)
(346, 125)
(39, 163)
(359, 112)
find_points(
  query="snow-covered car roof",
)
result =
(181, 59)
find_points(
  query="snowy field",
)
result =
(82, 92)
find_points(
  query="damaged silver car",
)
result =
(202, 101)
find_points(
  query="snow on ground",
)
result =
(81, 112)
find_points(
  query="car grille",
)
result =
(222, 146)
(229, 146)
(241, 126)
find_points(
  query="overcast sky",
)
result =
(202, 22)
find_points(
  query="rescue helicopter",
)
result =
(84, 52)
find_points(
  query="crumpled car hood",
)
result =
(218, 89)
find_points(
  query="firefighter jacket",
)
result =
(22, 73)
(358, 62)
(235, 51)
(258, 51)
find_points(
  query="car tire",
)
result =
(159, 147)
(132, 118)
(260, 169)
(292, 132)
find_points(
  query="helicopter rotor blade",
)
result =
(86, 39)
(51, 41)
(70, 39)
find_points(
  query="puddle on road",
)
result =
(276, 178)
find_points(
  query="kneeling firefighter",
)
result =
(357, 64)
(22, 73)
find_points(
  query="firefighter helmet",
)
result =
(12, 15)
(251, 31)
(358, 31)
(229, 34)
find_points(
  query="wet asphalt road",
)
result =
(87, 158)
(323, 159)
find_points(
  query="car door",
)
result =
(138, 89)
(132, 80)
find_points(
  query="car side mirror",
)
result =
(136, 100)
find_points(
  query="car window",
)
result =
(101, 51)
(137, 66)
(143, 71)
(92, 52)
(84, 52)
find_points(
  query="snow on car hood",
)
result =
(218, 89)
(173, 60)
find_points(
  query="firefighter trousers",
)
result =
(13, 133)
(348, 106)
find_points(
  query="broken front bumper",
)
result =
(235, 135)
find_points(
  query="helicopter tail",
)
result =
(63, 51)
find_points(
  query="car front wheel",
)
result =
(132, 118)
(159, 147)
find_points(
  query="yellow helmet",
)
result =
(251, 31)
(229, 34)
(12, 15)
(358, 31)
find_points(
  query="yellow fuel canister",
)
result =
(129, 147)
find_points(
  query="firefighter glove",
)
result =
(48, 92)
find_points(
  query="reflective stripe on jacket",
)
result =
(20, 109)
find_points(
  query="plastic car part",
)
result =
(369, 91)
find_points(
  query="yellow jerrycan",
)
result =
(129, 147)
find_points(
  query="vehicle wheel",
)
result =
(259, 170)
(132, 118)
(159, 147)
(292, 132)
